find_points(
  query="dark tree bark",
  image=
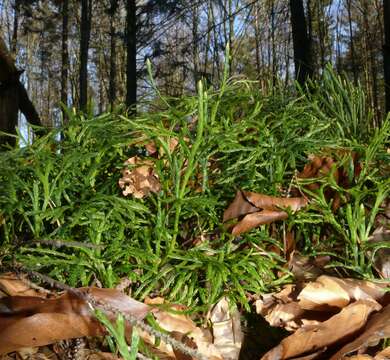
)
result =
(112, 84)
(85, 33)
(13, 97)
(386, 52)
(131, 48)
(352, 46)
(301, 42)
(64, 56)
(16, 27)
(195, 48)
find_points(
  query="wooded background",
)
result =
(80, 52)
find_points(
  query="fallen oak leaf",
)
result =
(13, 285)
(240, 206)
(329, 291)
(377, 328)
(141, 180)
(311, 356)
(383, 355)
(259, 209)
(179, 324)
(256, 219)
(226, 328)
(32, 321)
(313, 338)
(267, 202)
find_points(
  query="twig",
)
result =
(93, 304)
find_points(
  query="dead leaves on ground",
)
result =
(330, 318)
(140, 180)
(253, 209)
(325, 314)
(29, 322)
(343, 172)
(258, 209)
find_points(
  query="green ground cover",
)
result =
(62, 212)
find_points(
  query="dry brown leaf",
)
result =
(12, 285)
(306, 268)
(256, 219)
(101, 356)
(383, 355)
(329, 291)
(377, 328)
(141, 180)
(240, 206)
(311, 356)
(27, 353)
(32, 321)
(280, 309)
(259, 209)
(286, 316)
(152, 149)
(382, 256)
(226, 327)
(267, 301)
(313, 338)
(320, 166)
(267, 202)
(181, 325)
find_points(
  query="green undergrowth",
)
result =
(62, 212)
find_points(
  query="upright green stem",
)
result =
(202, 119)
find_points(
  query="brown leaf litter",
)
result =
(344, 314)
(140, 179)
(29, 323)
(258, 209)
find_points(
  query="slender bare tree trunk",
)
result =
(112, 84)
(351, 42)
(15, 28)
(386, 52)
(231, 34)
(273, 45)
(257, 38)
(301, 42)
(195, 47)
(85, 33)
(208, 40)
(216, 62)
(64, 57)
(131, 48)
(371, 58)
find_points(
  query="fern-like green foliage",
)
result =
(62, 212)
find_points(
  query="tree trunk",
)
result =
(16, 27)
(131, 45)
(257, 38)
(13, 97)
(64, 56)
(273, 45)
(386, 52)
(112, 83)
(231, 35)
(195, 48)
(85, 32)
(352, 46)
(371, 59)
(301, 42)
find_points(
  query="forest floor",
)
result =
(229, 225)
